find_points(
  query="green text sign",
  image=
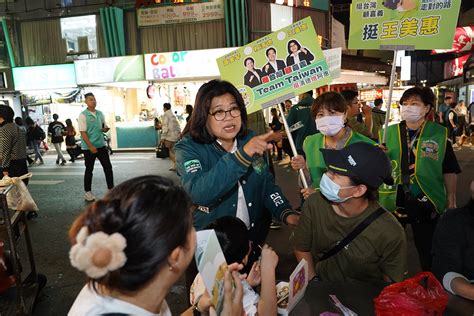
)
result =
(407, 24)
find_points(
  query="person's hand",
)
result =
(204, 303)
(298, 162)
(304, 50)
(259, 144)
(306, 192)
(266, 67)
(255, 277)
(233, 298)
(269, 259)
(383, 147)
(5, 173)
(93, 150)
(292, 220)
(366, 110)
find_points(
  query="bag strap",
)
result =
(353, 234)
(404, 156)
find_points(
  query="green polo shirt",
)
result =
(381, 249)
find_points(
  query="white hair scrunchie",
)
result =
(99, 253)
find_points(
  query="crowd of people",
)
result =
(139, 239)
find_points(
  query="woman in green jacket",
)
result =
(330, 112)
(220, 164)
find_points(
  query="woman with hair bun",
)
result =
(133, 246)
(424, 168)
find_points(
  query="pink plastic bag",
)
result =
(410, 298)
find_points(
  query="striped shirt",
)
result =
(12, 144)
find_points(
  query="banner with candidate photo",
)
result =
(277, 67)
(403, 24)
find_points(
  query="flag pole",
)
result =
(390, 93)
(292, 145)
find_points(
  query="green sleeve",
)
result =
(301, 239)
(394, 255)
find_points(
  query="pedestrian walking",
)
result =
(92, 126)
(71, 140)
(57, 131)
(170, 132)
(424, 168)
(378, 119)
(35, 135)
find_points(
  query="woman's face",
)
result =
(329, 112)
(227, 129)
(249, 64)
(416, 101)
(293, 47)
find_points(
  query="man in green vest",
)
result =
(424, 168)
(300, 121)
(92, 126)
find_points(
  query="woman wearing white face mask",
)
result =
(424, 168)
(330, 112)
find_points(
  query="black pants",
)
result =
(18, 168)
(89, 159)
(423, 238)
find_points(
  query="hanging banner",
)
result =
(334, 59)
(277, 67)
(455, 67)
(463, 39)
(407, 24)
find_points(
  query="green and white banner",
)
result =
(403, 24)
(277, 67)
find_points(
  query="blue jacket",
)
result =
(210, 174)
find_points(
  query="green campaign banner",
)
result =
(277, 67)
(403, 24)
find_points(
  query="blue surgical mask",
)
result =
(330, 190)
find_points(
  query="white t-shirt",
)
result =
(88, 302)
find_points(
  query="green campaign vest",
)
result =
(314, 157)
(428, 177)
(94, 129)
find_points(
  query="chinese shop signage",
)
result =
(180, 14)
(277, 67)
(397, 24)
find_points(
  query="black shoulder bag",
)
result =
(353, 234)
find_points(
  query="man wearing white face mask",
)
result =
(347, 206)
(330, 112)
(424, 169)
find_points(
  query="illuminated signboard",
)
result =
(44, 77)
(315, 4)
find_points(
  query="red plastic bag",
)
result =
(410, 298)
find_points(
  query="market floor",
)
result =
(59, 195)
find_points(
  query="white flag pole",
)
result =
(292, 145)
(390, 92)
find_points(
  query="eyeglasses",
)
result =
(220, 115)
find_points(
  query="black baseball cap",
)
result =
(368, 163)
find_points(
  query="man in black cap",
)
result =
(343, 232)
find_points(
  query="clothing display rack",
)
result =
(20, 298)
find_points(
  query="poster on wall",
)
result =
(277, 67)
(407, 24)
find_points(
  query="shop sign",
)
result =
(107, 70)
(299, 66)
(455, 67)
(44, 77)
(407, 24)
(184, 65)
(180, 14)
(371, 95)
(463, 39)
